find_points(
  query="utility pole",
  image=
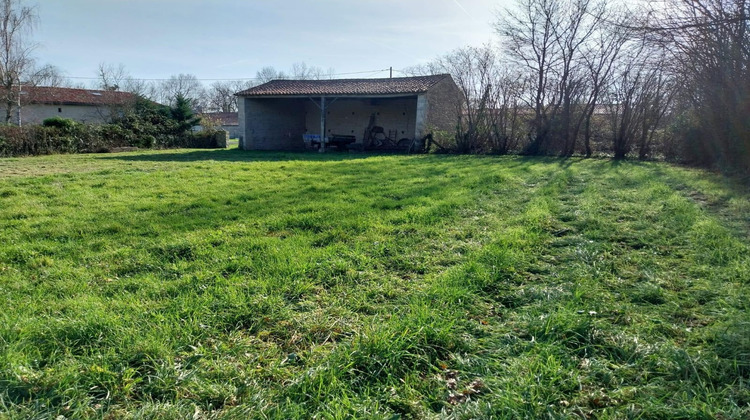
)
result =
(391, 69)
(19, 103)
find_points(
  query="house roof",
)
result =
(222, 118)
(392, 86)
(68, 96)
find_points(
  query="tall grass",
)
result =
(246, 285)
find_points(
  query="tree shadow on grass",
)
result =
(566, 162)
(511, 162)
(431, 164)
(231, 155)
(237, 155)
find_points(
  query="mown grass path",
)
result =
(258, 285)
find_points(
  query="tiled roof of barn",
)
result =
(68, 96)
(394, 86)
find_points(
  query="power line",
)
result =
(370, 72)
(158, 80)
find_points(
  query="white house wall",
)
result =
(36, 113)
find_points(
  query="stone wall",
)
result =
(232, 130)
(444, 101)
(272, 124)
(351, 117)
(241, 121)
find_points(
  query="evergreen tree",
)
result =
(182, 113)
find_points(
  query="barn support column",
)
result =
(420, 123)
(322, 105)
(322, 124)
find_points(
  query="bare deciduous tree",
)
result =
(489, 117)
(600, 57)
(710, 40)
(425, 69)
(529, 33)
(299, 71)
(302, 71)
(116, 77)
(473, 70)
(555, 41)
(220, 95)
(111, 77)
(16, 23)
(505, 118)
(182, 85)
(638, 96)
(268, 73)
(47, 75)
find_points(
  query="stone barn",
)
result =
(363, 113)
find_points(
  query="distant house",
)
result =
(276, 115)
(227, 121)
(83, 105)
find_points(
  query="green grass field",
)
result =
(230, 284)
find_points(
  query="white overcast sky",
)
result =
(228, 39)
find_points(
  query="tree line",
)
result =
(216, 97)
(667, 80)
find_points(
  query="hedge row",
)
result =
(80, 138)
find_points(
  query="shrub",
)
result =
(206, 139)
(58, 122)
(76, 138)
(145, 125)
